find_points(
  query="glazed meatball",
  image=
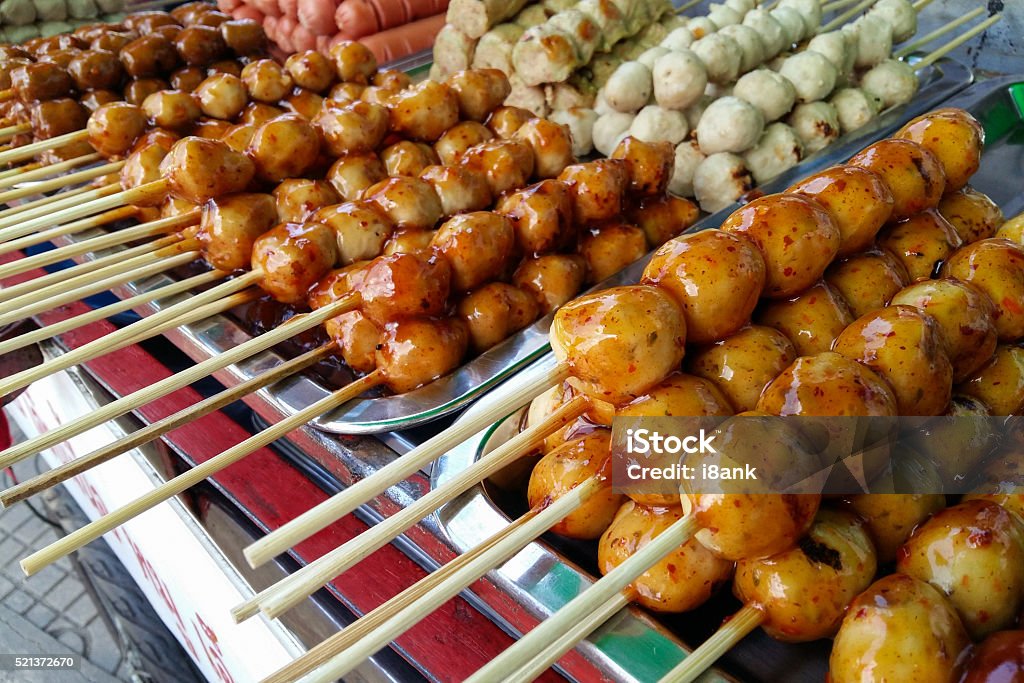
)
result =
(995, 267)
(222, 96)
(551, 145)
(553, 279)
(356, 127)
(479, 92)
(405, 284)
(292, 257)
(353, 174)
(200, 169)
(506, 164)
(828, 384)
(245, 37)
(738, 526)
(284, 147)
(972, 214)
(230, 226)
(868, 280)
(541, 216)
(149, 56)
(812, 320)
(598, 188)
(458, 188)
(299, 198)
(266, 80)
(1000, 383)
(425, 111)
(410, 203)
(200, 45)
(353, 62)
(743, 364)
(954, 137)
(95, 70)
(171, 109)
(495, 311)
(922, 243)
(310, 70)
(460, 137)
(913, 174)
(416, 351)
(477, 246)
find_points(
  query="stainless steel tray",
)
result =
(447, 395)
(543, 578)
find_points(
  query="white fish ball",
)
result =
(657, 124)
(629, 87)
(609, 129)
(833, 46)
(729, 125)
(695, 111)
(651, 55)
(701, 26)
(723, 15)
(810, 11)
(678, 39)
(816, 124)
(580, 122)
(855, 108)
(679, 79)
(778, 150)
(772, 94)
(742, 6)
(720, 180)
(688, 158)
(892, 81)
(813, 76)
(721, 57)
(874, 41)
(900, 14)
(792, 23)
(750, 43)
(772, 33)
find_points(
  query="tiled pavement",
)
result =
(60, 614)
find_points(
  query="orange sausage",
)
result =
(289, 8)
(303, 39)
(317, 16)
(405, 40)
(355, 19)
(247, 12)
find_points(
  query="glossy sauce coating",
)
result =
(352, 174)
(828, 384)
(912, 173)
(599, 189)
(743, 364)
(996, 267)
(230, 226)
(812, 320)
(890, 517)
(299, 198)
(609, 248)
(458, 188)
(477, 246)
(972, 214)
(1000, 383)
(495, 311)
(552, 279)
(456, 140)
(405, 284)
(551, 144)
(541, 215)
(360, 228)
(200, 170)
(424, 111)
(736, 526)
(416, 351)
(114, 127)
(954, 137)
(649, 164)
(506, 164)
(410, 203)
(922, 243)
(479, 92)
(868, 280)
(999, 659)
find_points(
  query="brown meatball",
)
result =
(112, 41)
(292, 257)
(922, 243)
(97, 70)
(171, 109)
(649, 165)
(716, 277)
(353, 174)
(211, 18)
(200, 45)
(200, 170)
(188, 13)
(1000, 383)
(996, 267)
(599, 188)
(458, 188)
(551, 144)
(139, 89)
(57, 117)
(361, 229)
(542, 217)
(358, 338)
(406, 284)
(506, 164)
(812, 320)
(353, 62)
(346, 93)
(244, 36)
(149, 56)
(828, 384)
(416, 351)
(41, 81)
(239, 136)
(407, 158)
(797, 237)
(610, 248)
(299, 198)
(662, 218)
(356, 127)
(743, 364)
(188, 78)
(477, 245)
(146, 22)
(998, 659)
(505, 121)
(94, 99)
(258, 113)
(972, 214)
(913, 174)
(114, 127)
(266, 80)
(494, 312)
(868, 280)
(424, 111)
(230, 226)
(553, 280)
(410, 203)
(304, 102)
(954, 137)
(456, 140)
(336, 284)
(310, 70)
(285, 147)
(479, 92)
(907, 349)
(222, 96)
(737, 526)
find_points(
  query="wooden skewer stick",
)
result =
(295, 588)
(147, 326)
(50, 331)
(725, 638)
(579, 607)
(21, 312)
(157, 227)
(687, 5)
(90, 532)
(9, 132)
(68, 229)
(341, 504)
(157, 429)
(109, 198)
(46, 171)
(78, 279)
(17, 220)
(18, 170)
(837, 5)
(921, 4)
(956, 42)
(61, 181)
(451, 583)
(937, 33)
(13, 156)
(126, 404)
(841, 19)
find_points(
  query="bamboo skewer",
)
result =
(157, 429)
(18, 170)
(454, 581)
(937, 33)
(956, 42)
(21, 312)
(687, 5)
(28, 151)
(606, 588)
(291, 590)
(39, 207)
(176, 381)
(343, 503)
(841, 19)
(50, 331)
(9, 132)
(150, 326)
(725, 638)
(921, 4)
(61, 181)
(41, 171)
(157, 227)
(90, 532)
(109, 197)
(88, 266)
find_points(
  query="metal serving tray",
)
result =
(546, 575)
(446, 395)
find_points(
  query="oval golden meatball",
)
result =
(415, 351)
(599, 189)
(717, 278)
(353, 62)
(899, 629)
(541, 215)
(292, 257)
(565, 468)
(797, 237)
(736, 526)
(551, 144)
(410, 240)
(114, 128)
(410, 203)
(200, 45)
(954, 137)
(999, 658)
(143, 165)
(506, 120)
(812, 320)
(912, 173)
(922, 243)
(743, 364)
(858, 199)
(451, 146)
(649, 165)
(258, 113)
(361, 229)
(139, 89)
(239, 136)
(299, 198)
(610, 248)
(214, 129)
(495, 311)
(620, 342)
(506, 164)
(999, 384)
(479, 91)
(972, 214)
(305, 103)
(266, 81)
(354, 127)
(230, 226)
(904, 346)
(828, 384)
(1013, 229)
(552, 280)
(424, 111)
(357, 337)
(353, 174)
(458, 188)
(311, 70)
(890, 517)
(662, 218)
(149, 56)
(996, 267)
(477, 245)
(405, 284)
(222, 96)
(284, 147)
(965, 316)
(188, 78)
(868, 280)
(682, 580)
(804, 591)
(972, 553)
(407, 158)
(171, 109)
(244, 36)
(336, 284)
(200, 170)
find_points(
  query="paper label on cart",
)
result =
(666, 456)
(181, 579)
